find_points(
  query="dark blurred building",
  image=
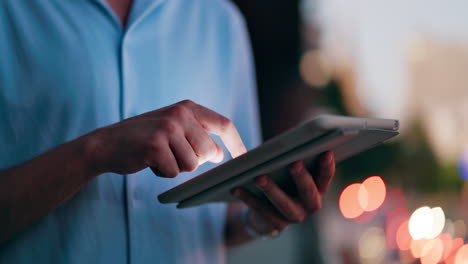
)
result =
(275, 32)
(274, 28)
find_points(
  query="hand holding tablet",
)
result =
(344, 136)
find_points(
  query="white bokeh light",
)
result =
(420, 223)
(426, 223)
(438, 222)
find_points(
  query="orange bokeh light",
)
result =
(462, 255)
(349, 201)
(447, 241)
(363, 197)
(376, 193)
(432, 251)
(417, 247)
(457, 243)
(392, 223)
(403, 237)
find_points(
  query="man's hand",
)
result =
(170, 140)
(282, 209)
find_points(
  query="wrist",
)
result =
(94, 152)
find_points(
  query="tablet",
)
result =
(345, 136)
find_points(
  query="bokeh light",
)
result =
(459, 228)
(426, 222)
(403, 237)
(417, 247)
(392, 223)
(449, 228)
(446, 239)
(432, 251)
(456, 244)
(358, 198)
(372, 245)
(461, 256)
(463, 165)
(420, 223)
(349, 202)
(363, 197)
(438, 222)
(376, 192)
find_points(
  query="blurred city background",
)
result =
(405, 201)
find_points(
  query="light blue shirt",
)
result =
(68, 67)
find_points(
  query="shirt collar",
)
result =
(139, 10)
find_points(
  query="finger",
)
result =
(325, 170)
(163, 162)
(219, 155)
(203, 145)
(221, 126)
(306, 187)
(184, 154)
(266, 211)
(292, 210)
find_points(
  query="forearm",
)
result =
(235, 232)
(33, 189)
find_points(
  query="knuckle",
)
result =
(168, 126)
(153, 146)
(297, 170)
(187, 103)
(226, 123)
(179, 111)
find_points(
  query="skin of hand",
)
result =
(169, 140)
(174, 139)
(282, 209)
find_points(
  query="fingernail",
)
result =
(296, 165)
(328, 158)
(261, 181)
(235, 192)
